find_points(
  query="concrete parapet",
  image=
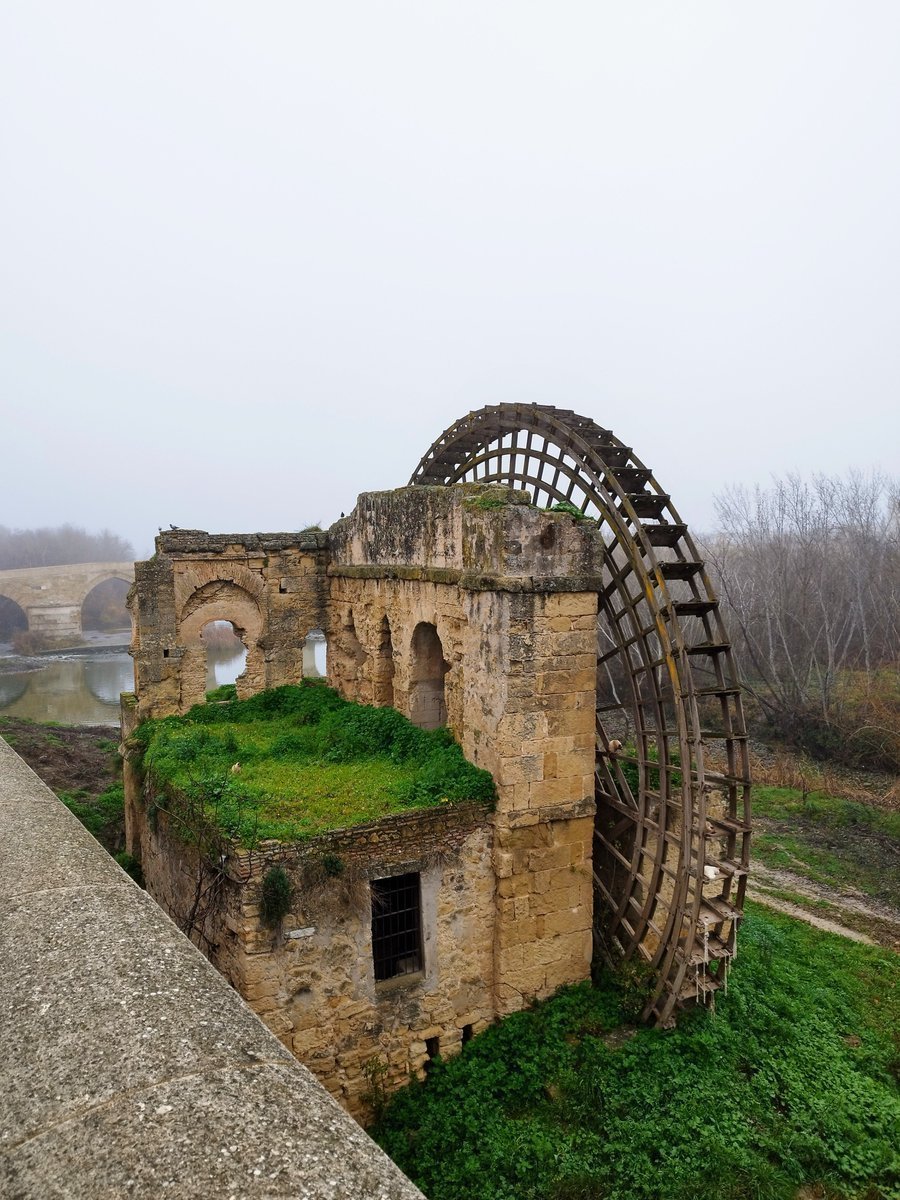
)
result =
(129, 1066)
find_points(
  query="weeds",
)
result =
(275, 896)
(307, 761)
(566, 506)
(102, 815)
(791, 1083)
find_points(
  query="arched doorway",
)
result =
(226, 654)
(218, 603)
(427, 704)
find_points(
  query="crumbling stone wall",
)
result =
(311, 976)
(512, 594)
(270, 586)
(508, 595)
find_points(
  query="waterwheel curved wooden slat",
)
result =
(671, 844)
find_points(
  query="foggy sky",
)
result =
(255, 257)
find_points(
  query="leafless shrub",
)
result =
(809, 574)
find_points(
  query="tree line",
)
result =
(59, 546)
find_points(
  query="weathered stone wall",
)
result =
(511, 592)
(312, 978)
(463, 604)
(270, 586)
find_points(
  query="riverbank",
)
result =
(114, 641)
(81, 764)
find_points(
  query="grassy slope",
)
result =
(831, 841)
(793, 1081)
(306, 761)
(82, 765)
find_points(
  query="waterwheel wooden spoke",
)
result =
(671, 842)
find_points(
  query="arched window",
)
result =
(384, 666)
(315, 655)
(427, 706)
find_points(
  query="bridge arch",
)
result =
(13, 618)
(52, 597)
(104, 604)
(671, 838)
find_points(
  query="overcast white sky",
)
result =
(256, 257)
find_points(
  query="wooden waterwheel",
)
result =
(672, 835)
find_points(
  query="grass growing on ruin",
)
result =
(297, 761)
(792, 1082)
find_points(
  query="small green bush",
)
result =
(131, 866)
(566, 506)
(332, 865)
(275, 895)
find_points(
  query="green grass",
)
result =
(792, 1082)
(566, 506)
(787, 803)
(833, 842)
(308, 762)
(100, 815)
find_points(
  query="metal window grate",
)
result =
(396, 926)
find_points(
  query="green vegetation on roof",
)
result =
(566, 506)
(788, 1089)
(295, 762)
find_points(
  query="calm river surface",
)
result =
(83, 689)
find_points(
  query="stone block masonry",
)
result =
(463, 606)
(311, 976)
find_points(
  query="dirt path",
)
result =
(858, 917)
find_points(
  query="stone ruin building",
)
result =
(581, 661)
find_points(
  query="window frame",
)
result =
(409, 941)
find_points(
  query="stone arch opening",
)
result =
(13, 619)
(356, 649)
(103, 607)
(226, 653)
(383, 666)
(315, 655)
(427, 702)
(219, 602)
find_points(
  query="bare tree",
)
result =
(809, 572)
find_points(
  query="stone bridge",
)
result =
(51, 597)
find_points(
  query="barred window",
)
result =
(396, 926)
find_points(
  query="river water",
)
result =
(83, 689)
